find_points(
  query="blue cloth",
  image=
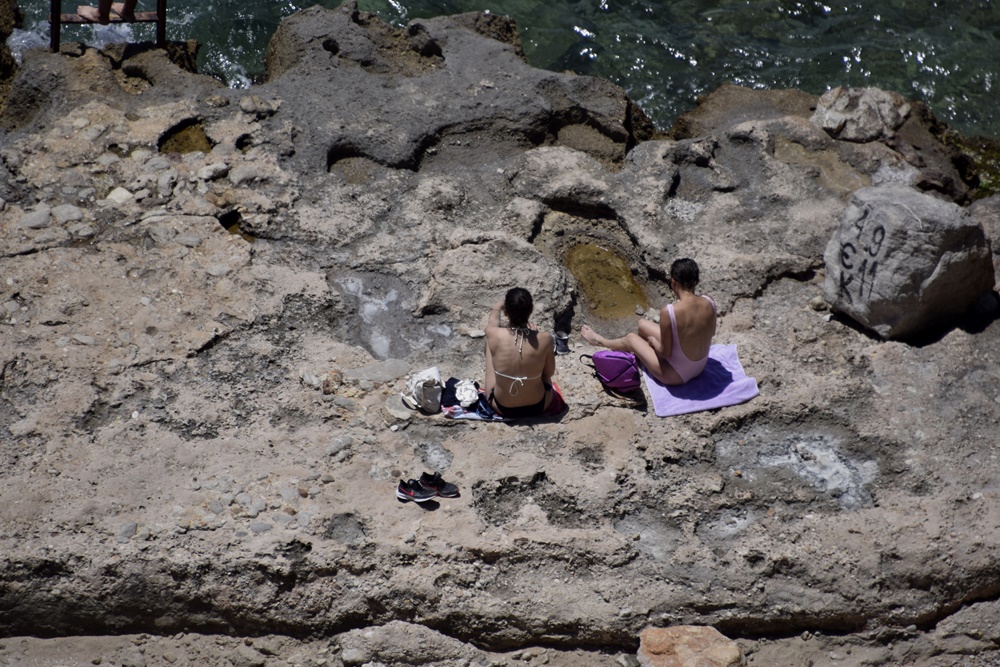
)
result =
(481, 411)
(722, 383)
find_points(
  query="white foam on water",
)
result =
(113, 33)
(231, 70)
(36, 36)
(21, 40)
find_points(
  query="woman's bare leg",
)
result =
(99, 14)
(651, 332)
(125, 9)
(597, 339)
(641, 348)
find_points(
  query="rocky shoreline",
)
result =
(212, 297)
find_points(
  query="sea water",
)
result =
(665, 53)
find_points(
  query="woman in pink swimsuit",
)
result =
(674, 351)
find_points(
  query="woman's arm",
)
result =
(666, 335)
(550, 358)
(493, 319)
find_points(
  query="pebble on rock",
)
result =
(83, 231)
(119, 196)
(213, 171)
(244, 173)
(66, 213)
(38, 219)
(155, 164)
(188, 240)
(126, 532)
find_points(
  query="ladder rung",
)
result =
(140, 17)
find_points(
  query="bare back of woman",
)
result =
(674, 351)
(520, 361)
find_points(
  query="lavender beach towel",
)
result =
(722, 383)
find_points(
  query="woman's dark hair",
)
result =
(685, 273)
(518, 306)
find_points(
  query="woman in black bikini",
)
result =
(520, 361)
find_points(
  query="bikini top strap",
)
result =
(520, 333)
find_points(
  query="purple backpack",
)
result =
(618, 371)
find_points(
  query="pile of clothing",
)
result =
(463, 399)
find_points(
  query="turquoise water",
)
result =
(664, 54)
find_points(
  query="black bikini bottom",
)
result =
(522, 410)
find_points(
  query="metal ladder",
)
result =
(57, 19)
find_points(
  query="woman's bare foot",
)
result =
(591, 336)
(123, 10)
(92, 14)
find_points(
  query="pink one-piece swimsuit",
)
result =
(686, 368)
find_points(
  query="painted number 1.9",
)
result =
(860, 263)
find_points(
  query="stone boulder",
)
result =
(860, 114)
(903, 261)
(687, 646)
(398, 642)
(987, 213)
(875, 134)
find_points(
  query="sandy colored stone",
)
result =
(687, 646)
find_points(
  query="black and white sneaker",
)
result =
(412, 490)
(438, 486)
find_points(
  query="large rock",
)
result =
(877, 133)
(987, 213)
(860, 114)
(453, 83)
(903, 261)
(687, 646)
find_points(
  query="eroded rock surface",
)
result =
(202, 340)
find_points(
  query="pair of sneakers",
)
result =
(427, 487)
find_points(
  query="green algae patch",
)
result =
(984, 155)
(606, 280)
(186, 139)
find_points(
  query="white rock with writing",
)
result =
(903, 261)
